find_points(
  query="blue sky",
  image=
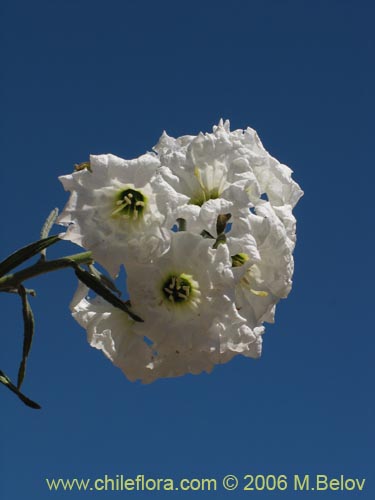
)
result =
(81, 77)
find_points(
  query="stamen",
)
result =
(129, 202)
(259, 293)
(118, 210)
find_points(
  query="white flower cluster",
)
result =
(205, 230)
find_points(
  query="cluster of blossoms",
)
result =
(205, 230)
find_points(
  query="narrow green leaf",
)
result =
(207, 235)
(5, 380)
(104, 279)
(51, 219)
(221, 223)
(47, 226)
(28, 320)
(26, 253)
(96, 285)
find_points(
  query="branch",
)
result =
(12, 281)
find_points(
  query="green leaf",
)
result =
(207, 235)
(26, 253)
(28, 320)
(221, 223)
(96, 285)
(104, 279)
(5, 380)
(47, 226)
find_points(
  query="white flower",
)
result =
(118, 206)
(224, 172)
(186, 295)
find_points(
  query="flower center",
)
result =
(181, 289)
(204, 193)
(129, 203)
